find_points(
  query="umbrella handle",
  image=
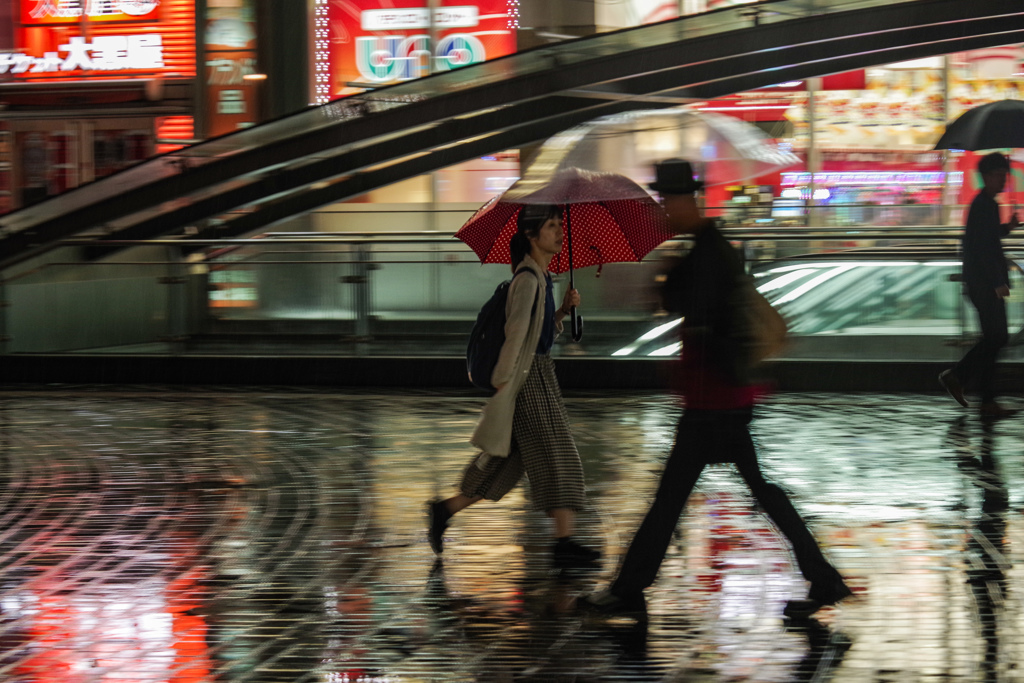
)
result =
(577, 325)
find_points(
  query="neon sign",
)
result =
(419, 18)
(367, 43)
(104, 53)
(63, 11)
(401, 58)
(872, 178)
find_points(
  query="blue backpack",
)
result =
(488, 336)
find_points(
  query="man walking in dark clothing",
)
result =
(704, 288)
(988, 284)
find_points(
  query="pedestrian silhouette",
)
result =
(719, 397)
(988, 284)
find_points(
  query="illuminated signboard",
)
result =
(419, 17)
(104, 53)
(88, 39)
(72, 11)
(802, 178)
(232, 81)
(371, 42)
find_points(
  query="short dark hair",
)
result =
(993, 162)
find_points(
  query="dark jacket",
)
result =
(703, 288)
(984, 263)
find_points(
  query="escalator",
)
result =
(862, 306)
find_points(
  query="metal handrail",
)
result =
(927, 239)
(439, 238)
(435, 237)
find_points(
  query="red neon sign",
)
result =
(374, 42)
(47, 12)
(59, 41)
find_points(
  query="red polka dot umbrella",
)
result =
(608, 218)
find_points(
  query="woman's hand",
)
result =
(571, 298)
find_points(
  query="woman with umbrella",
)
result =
(524, 426)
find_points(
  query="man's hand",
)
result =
(1003, 291)
(1014, 223)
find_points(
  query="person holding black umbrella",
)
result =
(719, 396)
(988, 284)
(524, 426)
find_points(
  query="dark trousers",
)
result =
(978, 366)
(706, 437)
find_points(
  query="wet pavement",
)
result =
(276, 535)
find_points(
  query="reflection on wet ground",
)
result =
(278, 536)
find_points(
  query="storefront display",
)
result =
(614, 15)
(91, 87)
(749, 205)
(901, 109)
(873, 141)
(885, 198)
(54, 156)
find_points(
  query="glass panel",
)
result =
(121, 312)
(866, 294)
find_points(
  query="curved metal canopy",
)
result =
(251, 179)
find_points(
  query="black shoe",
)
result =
(437, 522)
(612, 605)
(568, 553)
(952, 384)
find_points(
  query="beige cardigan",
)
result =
(493, 434)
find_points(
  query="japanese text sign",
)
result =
(72, 11)
(104, 53)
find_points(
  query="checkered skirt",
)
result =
(542, 446)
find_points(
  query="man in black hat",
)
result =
(988, 284)
(719, 397)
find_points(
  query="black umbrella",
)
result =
(997, 125)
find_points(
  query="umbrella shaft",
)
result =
(568, 233)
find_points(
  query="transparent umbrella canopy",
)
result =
(723, 149)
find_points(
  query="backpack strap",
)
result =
(523, 269)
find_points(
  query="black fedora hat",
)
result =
(674, 176)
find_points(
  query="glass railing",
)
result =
(877, 308)
(870, 293)
(851, 215)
